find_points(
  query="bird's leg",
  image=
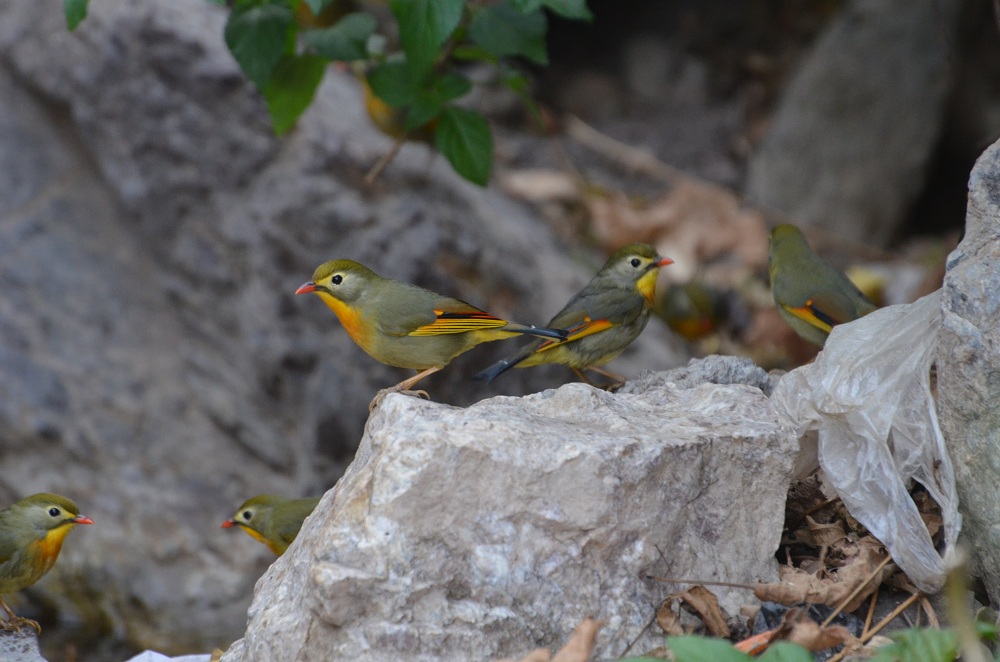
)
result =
(14, 623)
(583, 377)
(403, 387)
(617, 381)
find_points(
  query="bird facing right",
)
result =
(32, 531)
(601, 320)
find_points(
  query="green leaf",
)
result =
(518, 83)
(468, 52)
(920, 645)
(393, 83)
(464, 137)
(76, 11)
(784, 651)
(573, 9)
(291, 88)
(430, 101)
(503, 30)
(258, 36)
(346, 40)
(692, 648)
(423, 26)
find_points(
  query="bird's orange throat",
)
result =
(48, 548)
(348, 316)
(647, 285)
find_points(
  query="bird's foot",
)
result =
(380, 396)
(15, 624)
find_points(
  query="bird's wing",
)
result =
(452, 316)
(8, 543)
(582, 329)
(825, 310)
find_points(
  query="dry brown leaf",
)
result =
(825, 534)
(581, 644)
(706, 605)
(668, 619)
(811, 635)
(695, 219)
(794, 586)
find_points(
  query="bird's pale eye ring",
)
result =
(337, 280)
(635, 262)
(53, 511)
(247, 515)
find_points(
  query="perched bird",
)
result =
(406, 326)
(692, 310)
(811, 295)
(272, 520)
(31, 535)
(601, 320)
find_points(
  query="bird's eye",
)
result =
(53, 511)
(337, 280)
(247, 515)
(635, 262)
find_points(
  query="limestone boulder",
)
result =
(488, 531)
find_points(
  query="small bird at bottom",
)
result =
(404, 325)
(273, 520)
(32, 531)
(810, 294)
(601, 320)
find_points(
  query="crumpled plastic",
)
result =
(868, 397)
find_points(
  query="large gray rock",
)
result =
(852, 138)
(968, 365)
(485, 532)
(154, 365)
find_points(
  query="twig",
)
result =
(871, 611)
(857, 590)
(631, 157)
(932, 618)
(866, 637)
(698, 581)
(641, 632)
(383, 162)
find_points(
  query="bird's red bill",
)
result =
(228, 524)
(306, 287)
(83, 519)
(664, 261)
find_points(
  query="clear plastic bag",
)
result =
(868, 396)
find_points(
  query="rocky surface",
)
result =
(485, 532)
(154, 364)
(967, 367)
(20, 646)
(882, 68)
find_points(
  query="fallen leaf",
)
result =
(811, 635)
(668, 619)
(825, 534)
(581, 644)
(539, 185)
(706, 605)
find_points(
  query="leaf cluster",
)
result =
(283, 46)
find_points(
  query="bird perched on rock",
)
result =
(273, 520)
(32, 531)
(601, 320)
(811, 295)
(404, 325)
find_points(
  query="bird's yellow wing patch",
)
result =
(586, 328)
(808, 313)
(458, 323)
